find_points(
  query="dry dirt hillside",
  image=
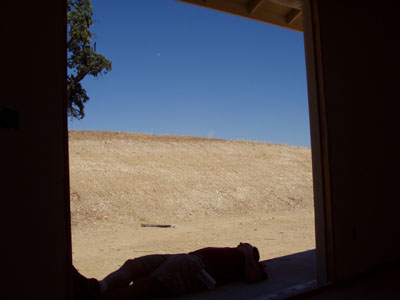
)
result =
(217, 192)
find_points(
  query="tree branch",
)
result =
(78, 78)
(69, 43)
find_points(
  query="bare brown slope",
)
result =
(219, 193)
(169, 178)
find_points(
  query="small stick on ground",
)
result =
(159, 225)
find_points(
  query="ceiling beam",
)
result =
(241, 9)
(289, 3)
(253, 5)
(292, 15)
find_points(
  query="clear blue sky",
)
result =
(184, 70)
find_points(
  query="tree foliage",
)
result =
(82, 58)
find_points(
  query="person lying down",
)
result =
(173, 274)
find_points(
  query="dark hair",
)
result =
(256, 254)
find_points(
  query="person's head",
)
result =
(262, 266)
(256, 254)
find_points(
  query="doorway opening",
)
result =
(216, 188)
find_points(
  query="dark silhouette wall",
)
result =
(357, 54)
(34, 168)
